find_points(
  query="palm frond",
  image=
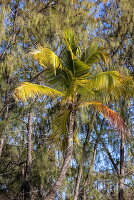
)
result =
(84, 88)
(108, 80)
(59, 129)
(112, 116)
(27, 90)
(47, 58)
(80, 68)
(70, 92)
(59, 124)
(94, 54)
(71, 42)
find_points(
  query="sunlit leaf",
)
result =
(94, 54)
(27, 90)
(107, 80)
(47, 58)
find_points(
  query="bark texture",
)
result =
(121, 180)
(68, 155)
(122, 145)
(78, 183)
(27, 187)
(1, 144)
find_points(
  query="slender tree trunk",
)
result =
(68, 155)
(110, 156)
(88, 131)
(29, 137)
(122, 145)
(1, 144)
(84, 196)
(78, 182)
(27, 187)
(121, 180)
(87, 179)
(4, 117)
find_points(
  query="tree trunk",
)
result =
(78, 183)
(121, 180)
(68, 155)
(88, 131)
(27, 187)
(87, 179)
(1, 144)
(122, 145)
(109, 156)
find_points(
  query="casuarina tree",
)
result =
(75, 81)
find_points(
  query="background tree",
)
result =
(71, 76)
(24, 25)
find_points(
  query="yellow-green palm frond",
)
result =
(59, 129)
(108, 80)
(84, 87)
(94, 54)
(70, 92)
(80, 68)
(27, 90)
(112, 116)
(59, 124)
(47, 58)
(71, 43)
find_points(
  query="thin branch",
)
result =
(36, 76)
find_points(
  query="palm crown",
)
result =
(68, 77)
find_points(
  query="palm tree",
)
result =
(72, 79)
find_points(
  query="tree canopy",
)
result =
(66, 99)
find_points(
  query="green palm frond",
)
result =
(110, 115)
(70, 92)
(94, 54)
(27, 90)
(59, 129)
(80, 68)
(71, 43)
(108, 80)
(84, 88)
(59, 124)
(47, 58)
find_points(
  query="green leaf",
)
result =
(27, 90)
(94, 54)
(108, 80)
(47, 58)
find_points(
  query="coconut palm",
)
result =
(72, 78)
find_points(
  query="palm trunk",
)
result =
(121, 181)
(27, 187)
(68, 155)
